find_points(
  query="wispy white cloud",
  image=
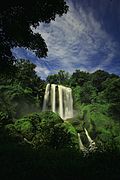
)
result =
(75, 41)
(78, 40)
(44, 71)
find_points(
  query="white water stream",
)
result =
(81, 146)
(59, 99)
(61, 94)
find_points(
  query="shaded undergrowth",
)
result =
(22, 162)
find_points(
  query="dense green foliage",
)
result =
(40, 140)
(23, 92)
(96, 107)
(96, 98)
(40, 145)
(47, 130)
(61, 78)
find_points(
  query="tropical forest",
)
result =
(65, 126)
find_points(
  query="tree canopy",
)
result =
(21, 92)
(16, 19)
(61, 77)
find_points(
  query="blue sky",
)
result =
(86, 38)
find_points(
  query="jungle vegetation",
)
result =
(36, 144)
(42, 141)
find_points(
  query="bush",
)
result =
(47, 130)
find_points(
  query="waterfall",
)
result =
(53, 100)
(68, 101)
(89, 138)
(82, 148)
(60, 102)
(46, 97)
(92, 145)
(60, 99)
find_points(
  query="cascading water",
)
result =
(92, 145)
(53, 97)
(82, 147)
(89, 138)
(46, 97)
(60, 99)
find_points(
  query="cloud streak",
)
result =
(76, 41)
